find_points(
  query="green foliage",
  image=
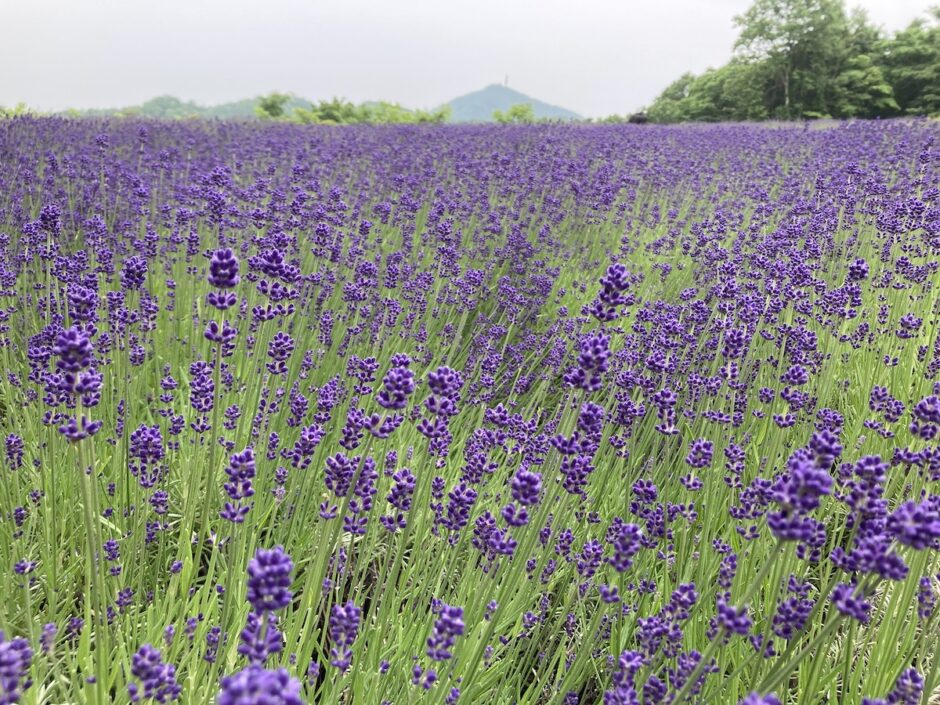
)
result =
(271, 106)
(911, 62)
(800, 44)
(671, 105)
(330, 112)
(16, 111)
(339, 111)
(804, 59)
(732, 92)
(862, 90)
(393, 113)
(518, 114)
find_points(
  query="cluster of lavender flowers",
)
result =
(541, 415)
(269, 580)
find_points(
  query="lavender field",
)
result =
(397, 415)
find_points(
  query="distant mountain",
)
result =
(479, 105)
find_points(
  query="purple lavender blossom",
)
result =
(256, 686)
(269, 580)
(16, 655)
(447, 627)
(344, 627)
(156, 680)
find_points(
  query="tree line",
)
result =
(342, 112)
(806, 59)
(338, 111)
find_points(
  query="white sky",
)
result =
(606, 56)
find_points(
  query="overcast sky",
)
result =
(607, 56)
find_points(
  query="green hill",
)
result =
(480, 105)
(170, 107)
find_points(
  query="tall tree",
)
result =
(911, 60)
(800, 42)
(271, 106)
(863, 91)
(861, 88)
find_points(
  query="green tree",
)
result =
(801, 43)
(16, 111)
(745, 89)
(863, 37)
(337, 111)
(671, 104)
(383, 113)
(518, 114)
(911, 62)
(395, 114)
(735, 91)
(704, 102)
(436, 117)
(272, 106)
(808, 58)
(863, 91)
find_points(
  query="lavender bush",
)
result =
(399, 415)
